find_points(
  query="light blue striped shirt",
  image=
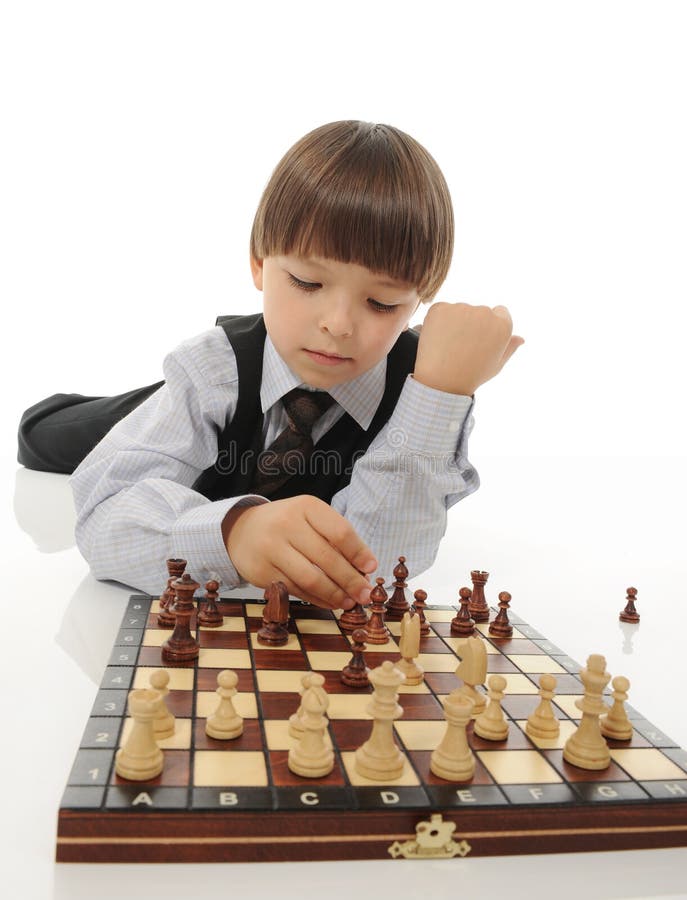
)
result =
(136, 508)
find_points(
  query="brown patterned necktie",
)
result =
(291, 450)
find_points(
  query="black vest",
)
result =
(240, 441)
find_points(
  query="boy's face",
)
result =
(331, 321)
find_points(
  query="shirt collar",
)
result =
(359, 398)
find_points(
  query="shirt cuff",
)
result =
(197, 538)
(427, 420)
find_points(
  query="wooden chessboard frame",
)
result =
(103, 818)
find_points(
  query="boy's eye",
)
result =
(381, 307)
(303, 285)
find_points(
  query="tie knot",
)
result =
(305, 407)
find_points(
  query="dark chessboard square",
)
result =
(571, 773)
(330, 643)
(223, 640)
(251, 739)
(110, 703)
(499, 664)
(123, 656)
(101, 733)
(349, 734)
(175, 771)
(635, 741)
(230, 799)
(91, 767)
(279, 705)
(434, 645)
(465, 795)
(391, 797)
(443, 629)
(230, 608)
(421, 706)
(274, 658)
(534, 794)
(421, 759)
(180, 703)
(656, 737)
(307, 611)
(282, 776)
(666, 790)
(334, 685)
(441, 682)
(314, 796)
(82, 798)
(206, 680)
(118, 678)
(568, 684)
(610, 792)
(142, 797)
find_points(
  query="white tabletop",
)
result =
(566, 553)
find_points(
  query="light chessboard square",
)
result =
(292, 643)
(647, 764)
(408, 777)
(229, 768)
(280, 680)
(278, 737)
(179, 679)
(421, 735)
(317, 626)
(210, 658)
(536, 663)
(518, 767)
(455, 642)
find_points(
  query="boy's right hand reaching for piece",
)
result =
(306, 544)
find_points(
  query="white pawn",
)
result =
(312, 758)
(140, 759)
(163, 723)
(296, 726)
(615, 724)
(542, 723)
(453, 758)
(225, 723)
(491, 724)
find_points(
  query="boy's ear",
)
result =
(256, 271)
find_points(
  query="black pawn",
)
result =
(355, 673)
(501, 627)
(630, 614)
(419, 607)
(462, 623)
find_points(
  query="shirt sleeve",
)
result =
(134, 501)
(413, 472)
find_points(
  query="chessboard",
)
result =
(219, 800)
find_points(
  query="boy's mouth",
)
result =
(326, 359)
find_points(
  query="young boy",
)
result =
(353, 231)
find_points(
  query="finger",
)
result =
(327, 558)
(515, 342)
(502, 313)
(310, 581)
(295, 590)
(332, 526)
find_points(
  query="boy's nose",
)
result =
(337, 321)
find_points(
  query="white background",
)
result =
(136, 140)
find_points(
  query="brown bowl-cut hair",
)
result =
(363, 193)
